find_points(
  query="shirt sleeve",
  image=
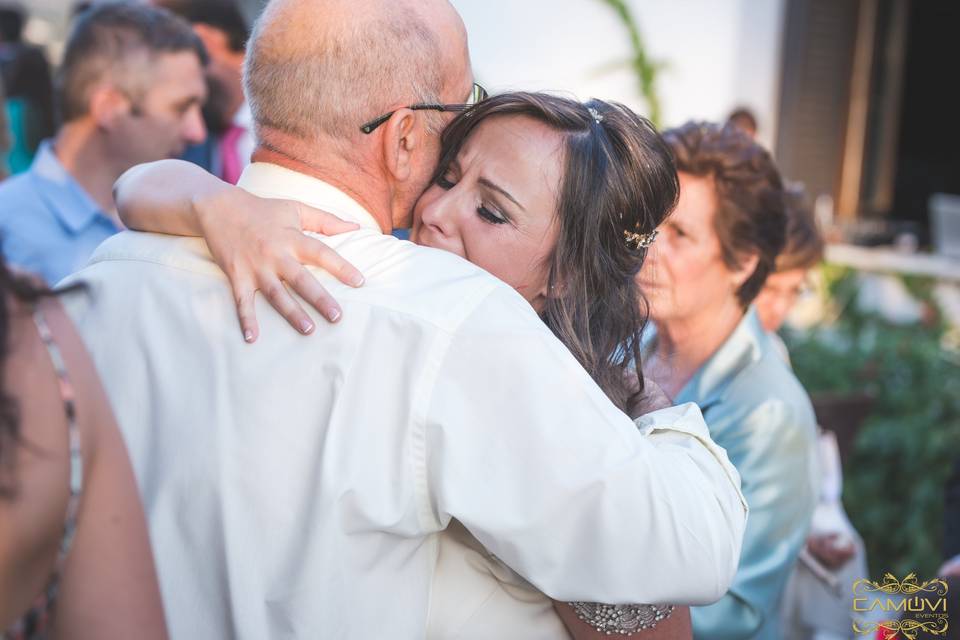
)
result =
(524, 449)
(772, 447)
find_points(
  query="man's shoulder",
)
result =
(173, 252)
(18, 194)
(428, 284)
(424, 285)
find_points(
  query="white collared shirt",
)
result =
(296, 487)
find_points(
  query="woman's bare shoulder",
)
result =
(35, 466)
(110, 569)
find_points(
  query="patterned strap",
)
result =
(76, 460)
(36, 621)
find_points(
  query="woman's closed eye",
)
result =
(490, 215)
(678, 231)
(487, 213)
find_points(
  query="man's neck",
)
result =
(368, 190)
(82, 154)
(683, 346)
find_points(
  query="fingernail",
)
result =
(306, 326)
(357, 281)
(248, 335)
(334, 315)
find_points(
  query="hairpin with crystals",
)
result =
(596, 115)
(640, 240)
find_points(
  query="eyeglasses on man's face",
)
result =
(477, 94)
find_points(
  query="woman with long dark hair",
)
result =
(595, 180)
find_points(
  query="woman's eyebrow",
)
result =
(501, 190)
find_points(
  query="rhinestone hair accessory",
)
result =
(640, 240)
(596, 115)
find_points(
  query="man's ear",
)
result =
(403, 138)
(107, 105)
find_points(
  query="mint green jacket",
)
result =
(757, 410)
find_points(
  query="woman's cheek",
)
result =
(490, 256)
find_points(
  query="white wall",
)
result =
(721, 53)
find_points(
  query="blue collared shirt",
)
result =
(48, 224)
(757, 410)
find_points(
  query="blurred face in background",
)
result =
(166, 117)
(778, 296)
(224, 74)
(684, 274)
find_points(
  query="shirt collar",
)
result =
(269, 180)
(62, 193)
(743, 347)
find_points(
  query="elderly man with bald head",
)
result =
(299, 487)
(318, 70)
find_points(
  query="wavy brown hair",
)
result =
(618, 177)
(751, 217)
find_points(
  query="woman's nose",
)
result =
(440, 212)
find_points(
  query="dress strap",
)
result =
(35, 622)
(68, 397)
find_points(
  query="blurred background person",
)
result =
(222, 27)
(4, 138)
(130, 90)
(818, 599)
(803, 251)
(745, 120)
(75, 559)
(712, 258)
(25, 75)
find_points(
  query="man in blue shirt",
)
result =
(130, 90)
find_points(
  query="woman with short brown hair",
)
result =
(711, 259)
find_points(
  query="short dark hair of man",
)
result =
(119, 42)
(750, 218)
(223, 15)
